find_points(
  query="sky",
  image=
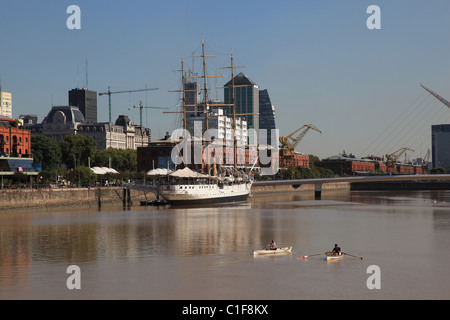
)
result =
(318, 60)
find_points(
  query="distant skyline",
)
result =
(317, 59)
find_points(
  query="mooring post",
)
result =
(129, 197)
(124, 197)
(318, 191)
(99, 199)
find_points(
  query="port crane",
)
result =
(109, 93)
(392, 158)
(289, 143)
(425, 160)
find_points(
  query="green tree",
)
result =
(77, 149)
(438, 170)
(121, 160)
(45, 150)
(82, 174)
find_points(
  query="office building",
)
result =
(440, 145)
(86, 101)
(266, 116)
(28, 119)
(220, 123)
(192, 98)
(5, 104)
(67, 120)
(246, 95)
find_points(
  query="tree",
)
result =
(438, 170)
(76, 150)
(121, 160)
(82, 174)
(46, 151)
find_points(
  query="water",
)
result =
(206, 253)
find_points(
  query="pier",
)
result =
(427, 182)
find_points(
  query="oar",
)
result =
(352, 255)
(311, 255)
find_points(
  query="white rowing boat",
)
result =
(333, 256)
(285, 250)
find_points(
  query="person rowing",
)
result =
(272, 245)
(336, 250)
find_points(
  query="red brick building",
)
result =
(15, 141)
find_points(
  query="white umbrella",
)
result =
(98, 170)
(158, 172)
(188, 173)
(108, 170)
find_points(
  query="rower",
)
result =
(272, 245)
(336, 250)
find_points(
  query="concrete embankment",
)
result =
(68, 197)
(289, 186)
(401, 185)
(117, 196)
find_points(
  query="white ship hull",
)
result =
(190, 194)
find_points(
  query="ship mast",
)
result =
(233, 104)
(206, 103)
(205, 85)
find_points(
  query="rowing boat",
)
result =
(332, 256)
(285, 250)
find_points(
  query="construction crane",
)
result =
(109, 93)
(289, 143)
(425, 161)
(392, 158)
(140, 106)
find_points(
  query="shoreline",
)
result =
(98, 197)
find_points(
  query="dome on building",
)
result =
(64, 114)
(123, 121)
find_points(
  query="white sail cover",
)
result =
(187, 173)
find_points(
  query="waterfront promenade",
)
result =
(96, 197)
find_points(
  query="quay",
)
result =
(96, 197)
(390, 182)
(48, 198)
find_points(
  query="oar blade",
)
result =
(360, 258)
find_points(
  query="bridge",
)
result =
(357, 179)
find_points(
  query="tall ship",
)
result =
(215, 184)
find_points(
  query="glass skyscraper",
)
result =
(246, 94)
(440, 144)
(266, 115)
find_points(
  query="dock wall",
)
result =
(67, 197)
(401, 185)
(295, 187)
(118, 196)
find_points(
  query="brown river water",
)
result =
(207, 253)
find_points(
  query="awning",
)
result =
(103, 170)
(158, 172)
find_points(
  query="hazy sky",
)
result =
(318, 60)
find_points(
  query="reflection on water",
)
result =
(206, 253)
